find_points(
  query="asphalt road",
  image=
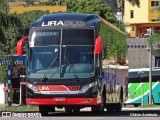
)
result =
(129, 114)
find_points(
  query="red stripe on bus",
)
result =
(52, 88)
(61, 101)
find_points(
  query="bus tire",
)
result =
(100, 108)
(44, 113)
(76, 110)
(43, 110)
(97, 108)
(109, 109)
(68, 109)
(119, 106)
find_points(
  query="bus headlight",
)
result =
(33, 88)
(87, 87)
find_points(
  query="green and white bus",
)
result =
(138, 86)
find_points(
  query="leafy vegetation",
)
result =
(150, 106)
(4, 7)
(12, 28)
(27, 18)
(154, 41)
(51, 2)
(114, 42)
(135, 2)
(93, 7)
(3, 73)
(20, 108)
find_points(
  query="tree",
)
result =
(10, 30)
(27, 18)
(134, 2)
(4, 7)
(51, 2)
(30, 2)
(3, 73)
(92, 7)
(154, 41)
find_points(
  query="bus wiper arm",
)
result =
(52, 63)
(73, 67)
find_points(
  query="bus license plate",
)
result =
(59, 99)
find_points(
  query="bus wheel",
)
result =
(76, 110)
(68, 109)
(43, 110)
(119, 106)
(109, 109)
(97, 108)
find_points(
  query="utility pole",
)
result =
(149, 31)
(122, 9)
(150, 76)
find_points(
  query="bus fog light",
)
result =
(89, 100)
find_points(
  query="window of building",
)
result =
(131, 14)
(132, 28)
(155, 3)
(157, 61)
(155, 20)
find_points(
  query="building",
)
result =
(138, 53)
(139, 19)
(141, 22)
(51, 9)
(20, 6)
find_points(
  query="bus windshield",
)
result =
(66, 53)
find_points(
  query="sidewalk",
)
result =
(138, 108)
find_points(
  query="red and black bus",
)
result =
(64, 66)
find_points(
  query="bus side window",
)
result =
(155, 76)
(145, 76)
(137, 77)
(131, 77)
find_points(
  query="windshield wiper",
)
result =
(51, 64)
(52, 75)
(73, 67)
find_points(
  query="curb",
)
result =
(141, 109)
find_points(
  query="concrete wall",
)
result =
(2, 94)
(138, 55)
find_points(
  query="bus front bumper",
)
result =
(63, 101)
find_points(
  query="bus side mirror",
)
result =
(20, 46)
(98, 45)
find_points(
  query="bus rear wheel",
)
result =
(119, 106)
